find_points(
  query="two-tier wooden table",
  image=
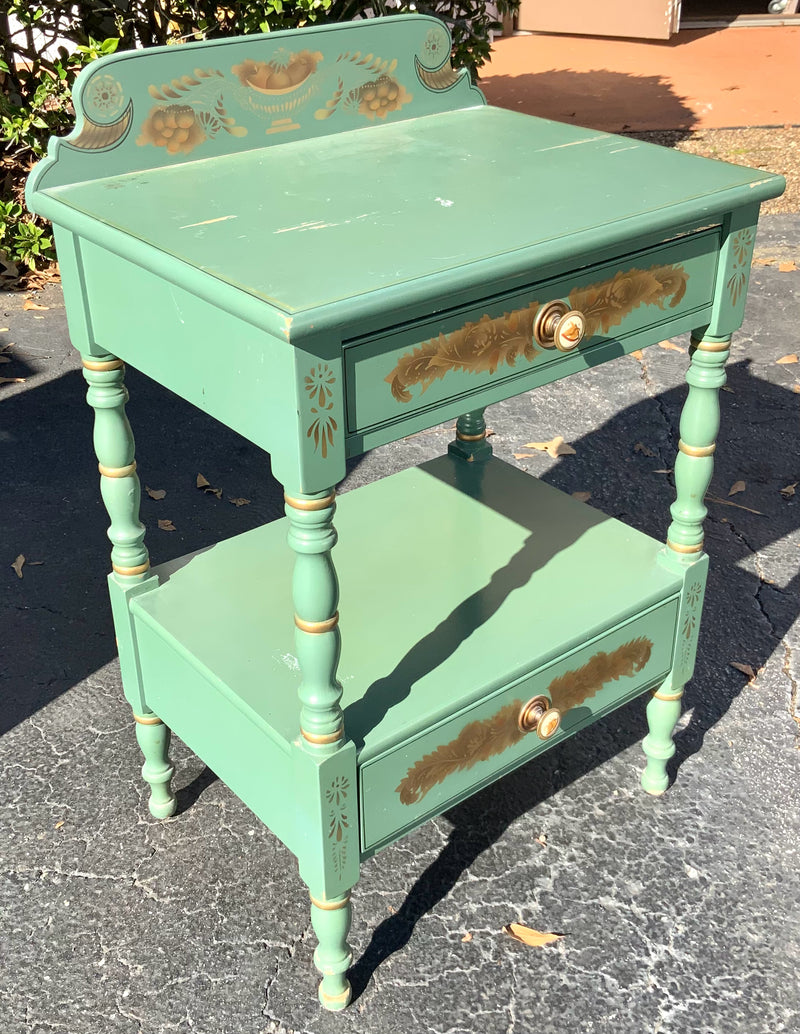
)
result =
(327, 241)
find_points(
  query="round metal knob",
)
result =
(539, 717)
(558, 326)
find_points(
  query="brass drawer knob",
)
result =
(558, 326)
(537, 715)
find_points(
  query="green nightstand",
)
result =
(316, 237)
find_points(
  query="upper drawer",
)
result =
(393, 374)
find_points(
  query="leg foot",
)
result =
(331, 922)
(157, 770)
(663, 712)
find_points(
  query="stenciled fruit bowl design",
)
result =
(283, 74)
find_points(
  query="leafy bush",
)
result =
(35, 103)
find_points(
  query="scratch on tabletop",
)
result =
(207, 222)
(573, 143)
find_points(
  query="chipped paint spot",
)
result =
(290, 661)
(208, 222)
(287, 327)
(444, 203)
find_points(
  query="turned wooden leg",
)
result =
(663, 712)
(121, 492)
(332, 957)
(157, 770)
(470, 442)
(315, 592)
(694, 466)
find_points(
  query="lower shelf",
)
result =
(464, 588)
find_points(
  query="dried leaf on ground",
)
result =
(555, 447)
(796, 388)
(642, 448)
(541, 839)
(727, 502)
(524, 455)
(17, 565)
(637, 353)
(155, 493)
(736, 487)
(238, 501)
(582, 497)
(788, 491)
(670, 346)
(466, 938)
(787, 267)
(12, 380)
(205, 484)
(35, 563)
(785, 360)
(745, 669)
(535, 938)
(167, 525)
(29, 303)
(662, 470)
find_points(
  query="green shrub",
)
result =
(35, 103)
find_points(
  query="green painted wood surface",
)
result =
(389, 376)
(114, 448)
(658, 745)
(699, 425)
(276, 222)
(166, 106)
(445, 632)
(333, 955)
(423, 776)
(231, 737)
(154, 739)
(315, 596)
(324, 798)
(270, 226)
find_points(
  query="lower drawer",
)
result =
(432, 771)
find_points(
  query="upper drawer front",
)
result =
(444, 764)
(394, 374)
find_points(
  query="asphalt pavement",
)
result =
(680, 914)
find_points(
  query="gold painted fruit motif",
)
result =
(174, 127)
(284, 73)
(377, 98)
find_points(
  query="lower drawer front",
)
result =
(423, 776)
(394, 374)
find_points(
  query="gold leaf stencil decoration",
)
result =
(476, 348)
(483, 739)
(573, 687)
(477, 741)
(485, 345)
(605, 305)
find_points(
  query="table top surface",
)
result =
(315, 222)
